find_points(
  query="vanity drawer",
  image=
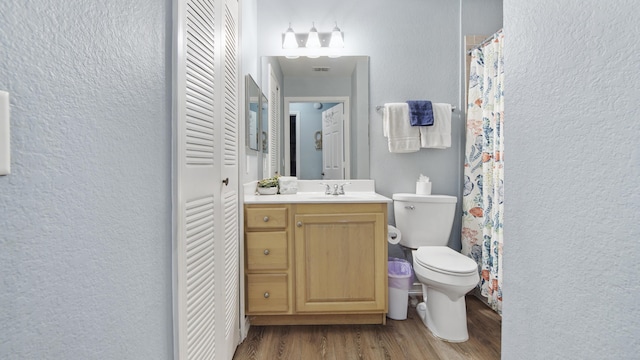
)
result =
(267, 250)
(266, 218)
(267, 293)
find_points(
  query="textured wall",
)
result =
(85, 216)
(250, 63)
(572, 204)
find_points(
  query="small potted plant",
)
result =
(268, 186)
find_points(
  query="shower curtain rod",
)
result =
(379, 108)
(484, 42)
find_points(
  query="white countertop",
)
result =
(317, 198)
(358, 191)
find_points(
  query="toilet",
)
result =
(446, 276)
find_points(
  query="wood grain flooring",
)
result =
(408, 339)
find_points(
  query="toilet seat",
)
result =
(444, 260)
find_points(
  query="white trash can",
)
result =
(400, 281)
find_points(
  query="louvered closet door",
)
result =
(229, 93)
(206, 218)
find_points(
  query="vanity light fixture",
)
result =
(318, 43)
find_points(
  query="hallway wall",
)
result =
(85, 215)
(571, 203)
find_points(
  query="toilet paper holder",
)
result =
(393, 234)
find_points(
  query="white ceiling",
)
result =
(303, 66)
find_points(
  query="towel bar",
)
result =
(379, 108)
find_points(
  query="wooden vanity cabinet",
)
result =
(337, 264)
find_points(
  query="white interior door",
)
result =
(205, 84)
(332, 143)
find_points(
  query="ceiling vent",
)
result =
(320, 68)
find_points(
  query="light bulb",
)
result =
(290, 41)
(313, 40)
(336, 38)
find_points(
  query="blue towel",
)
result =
(420, 112)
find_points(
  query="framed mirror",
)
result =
(319, 84)
(252, 115)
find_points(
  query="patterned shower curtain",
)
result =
(482, 202)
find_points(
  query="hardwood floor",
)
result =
(408, 339)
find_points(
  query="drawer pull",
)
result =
(299, 224)
(266, 251)
(266, 295)
(266, 218)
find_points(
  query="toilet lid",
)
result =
(444, 259)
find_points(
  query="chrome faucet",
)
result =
(341, 188)
(338, 189)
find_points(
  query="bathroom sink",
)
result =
(331, 198)
(352, 197)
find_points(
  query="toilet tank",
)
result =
(424, 220)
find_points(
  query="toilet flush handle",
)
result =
(410, 207)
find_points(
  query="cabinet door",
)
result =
(340, 263)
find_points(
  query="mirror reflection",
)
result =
(324, 127)
(264, 123)
(316, 136)
(252, 101)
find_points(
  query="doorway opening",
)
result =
(294, 118)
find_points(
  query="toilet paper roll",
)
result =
(394, 235)
(423, 188)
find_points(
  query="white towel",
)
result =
(437, 136)
(402, 137)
